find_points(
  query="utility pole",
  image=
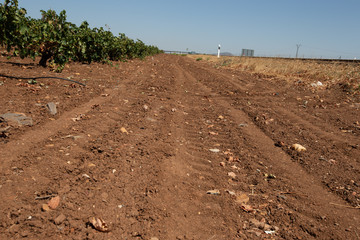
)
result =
(297, 49)
(219, 51)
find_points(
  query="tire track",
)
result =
(184, 172)
(259, 94)
(91, 168)
(292, 173)
(33, 137)
(321, 137)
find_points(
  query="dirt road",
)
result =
(172, 148)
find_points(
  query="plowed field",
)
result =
(173, 148)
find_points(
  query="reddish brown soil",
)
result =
(151, 181)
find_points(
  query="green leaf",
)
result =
(32, 81)
(23, 29)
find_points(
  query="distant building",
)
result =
(247, 52)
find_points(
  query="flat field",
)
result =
(309, 71)
(174, 148)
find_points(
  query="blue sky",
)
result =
(324, 28)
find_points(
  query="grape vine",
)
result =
(57, 41)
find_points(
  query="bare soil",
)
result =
(144, 142)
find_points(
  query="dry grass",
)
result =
(308, 71)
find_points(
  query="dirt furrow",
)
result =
(290, 172)
(75, 165)
(284, 120)
(176, 149)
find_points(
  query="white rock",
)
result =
(232, 174)
(298, 147)
(214, 150)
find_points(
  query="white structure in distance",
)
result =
(219, 51)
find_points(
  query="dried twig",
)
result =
(45, 197)
(345, 206)
(5, 129)
(294, 193)
(33, 78)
